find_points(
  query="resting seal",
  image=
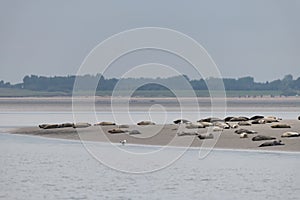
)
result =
(234, 126)
(206, 136)
(116, 130)
(105, 124)
(280, 126)
(262, 137)
(227, 119)
(244, 123)
(239, 119)
(211, 119)
(258, 121)
(194, 126)
(256, 117)
(243, 135)
(81, 125)
(273, 143)
(65, 125)
(290, 134)
(239, 131)
(181, 121)
(270, 120)
(205, 124)
(50, 126)
(144, 123)
(217, 128)
(222, 125)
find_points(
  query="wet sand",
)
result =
(167, 135)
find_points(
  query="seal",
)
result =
(239, 119)
(105, 124)
(257, 117)
(206, 124)
(206, 136)
(263, 137)
(144, 123)
(194, 126)
(211, 119)
(116, 130)
(217, 128)
(244, 123)
(273, 143)
(299, 118)
(222, 125)
(270, 119)
(81, 125)
(280, 126)
(258, 121)
(227, 119)
(234, 126)
(243, 135)
(239, 131)
(290, 134)
(66, 125)
(181, 121)
(49, 126)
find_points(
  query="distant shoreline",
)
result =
(148, 98)
(15, 93)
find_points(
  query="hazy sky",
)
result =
(259, 38)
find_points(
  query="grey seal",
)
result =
(116, 130)
(257, 117)
(239, 131)
(290, 134)
(280, 126)
(144, 123)
(81, 125)
(273, 143)
(263, 137)
(239, 119)
(181, 121)
(206, 136)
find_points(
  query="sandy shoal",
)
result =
(167, 135)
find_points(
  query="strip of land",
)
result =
(168, 135)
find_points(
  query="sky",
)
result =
(258, 38)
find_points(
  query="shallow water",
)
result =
(39, 168)
(30, 112)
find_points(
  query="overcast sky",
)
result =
(259, 38)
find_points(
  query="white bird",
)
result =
(123, 142)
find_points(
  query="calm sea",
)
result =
(39, 168)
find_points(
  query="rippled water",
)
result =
(38, 168)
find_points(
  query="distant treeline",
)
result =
(287, 85)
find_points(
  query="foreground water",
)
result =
(39, 168)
